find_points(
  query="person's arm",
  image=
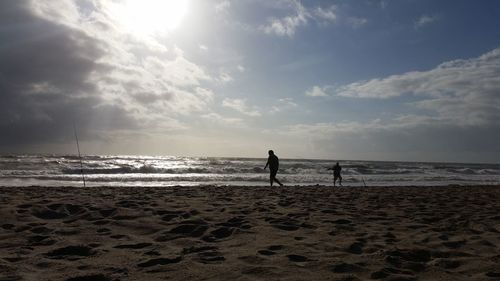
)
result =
(266, 164)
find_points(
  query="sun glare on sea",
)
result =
(150, 17)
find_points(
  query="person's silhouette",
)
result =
(273, 164)
(336, 174)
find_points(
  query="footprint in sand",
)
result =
(160, 261)
(284, 223)
(40, 240)
(266, 252)
(346, 268)
(103, 231)
(493, 274)
(297, 258)
(218, 234)
(94, 277)
(356, 248)
(205, 254)
(107, 212)
(396, 273)
(237, 222)
(71, 252)
(191, 228)
(454, 244)
(446, 263)
(41, 230)
(133, 246)
(8, 226)
(168, 215)
(271, 250)
(414, 260)
(56, 211)
(275, 247)
(211, 257)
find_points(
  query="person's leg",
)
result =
(276, 180)
(334, 180)
(272, 176)
(340, 180)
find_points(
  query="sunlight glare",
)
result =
(150, 17)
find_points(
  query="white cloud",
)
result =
(240, 106)
(224, 78)
(178, 71)
(203, 47)
(64, 11)
(356, 22)
(464, 90)
(328, 130)
(151, 80)
(283, 104)
(285, 26)
(241, 68)
(217, 118)
(316, 91)
(222, 6)
(300, 15)
(325, 15)
(425, 20)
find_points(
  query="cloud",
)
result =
(316, 91)
(217, 118)
(453, 114)
(425, 20)
(464, 90)
(69, 60)
(284, 104)
(300, 15)
(286, 26)
(240, 106)
(356, 22)
(224, 77)
(325, 15)
(383, 4)
(222, 6)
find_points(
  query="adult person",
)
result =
(273, 163)
(336, 174)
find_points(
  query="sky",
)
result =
(402, 80)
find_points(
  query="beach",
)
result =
(250, 233)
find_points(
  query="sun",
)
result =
(151, 17)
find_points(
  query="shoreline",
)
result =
(259, 233)
(253, 185)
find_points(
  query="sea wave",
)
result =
(112, 169)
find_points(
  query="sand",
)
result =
(250, 233)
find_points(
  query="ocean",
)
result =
(114, 170)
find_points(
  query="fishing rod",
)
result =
(79, 155)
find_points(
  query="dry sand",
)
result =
(250, 233)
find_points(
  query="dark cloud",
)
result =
(44, 80)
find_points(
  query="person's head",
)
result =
(270, 152)
(337, 163)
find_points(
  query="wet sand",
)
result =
(250, 233)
